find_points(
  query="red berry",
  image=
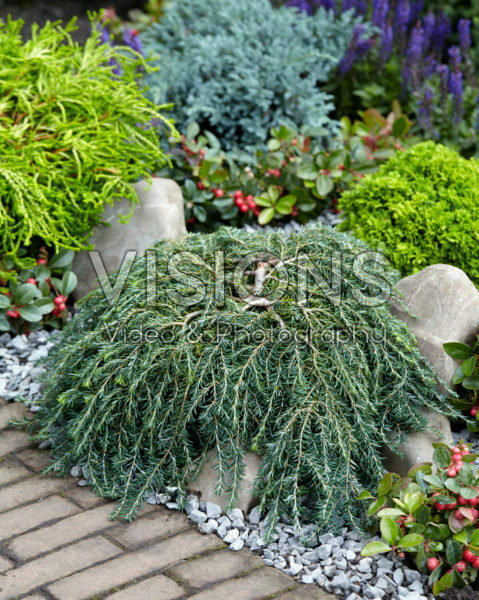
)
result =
(474, 410)
(200, 185)
(473, 501)
(219, 193)
(13, 313)
(341, 167)
(294, 142)
(466, 452)
(59, 300)
(41, 261)
(134, 31)
(456, 450)
(31, 280)
(451, 506)
(468, 556)
(440, 506)
(56, 311)
(459, 516)
(401, 555)
(463, 501)
(250, 201)
(475, 563)
(457, 457)
(460, 566)
(475, 514)
(458, 466)
(238, 194)
(452, 472)
(294, 211)
(432, 563)
(61, 307)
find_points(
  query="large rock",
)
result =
(159, 214)
(205, 483)
(446, 304)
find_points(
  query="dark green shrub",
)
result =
(240, 68)
(141, 390)
(73, 134)
(420, 208)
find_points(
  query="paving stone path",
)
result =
(56, 542)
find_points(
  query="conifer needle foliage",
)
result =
(421, 208)
(317, 382)
(73, 135)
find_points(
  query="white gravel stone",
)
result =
(213, 511)
(208, 527)
(76, 471)
(237, 545)
(231, 536)
(197, 516)
(254, 516)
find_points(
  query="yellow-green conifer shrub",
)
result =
(75, 132)
(421, 208)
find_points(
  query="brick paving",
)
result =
(57, 543)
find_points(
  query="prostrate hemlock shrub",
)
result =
(240, 68)
(421, 208)
(73, 135)
(141, 390)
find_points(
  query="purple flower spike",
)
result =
(416, 11)
(425, 108)
(380, 13)
(302, 5)
(386, 43)
(455, 58)
(429, 23)
(116, 67)
(441, 32)
(443, 72)
(355, 49)
(464, 29)
(402, 15)
(414, 57)
(132, 40)
(105, 36)
(456, 89)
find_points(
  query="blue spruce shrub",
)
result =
(239, 68)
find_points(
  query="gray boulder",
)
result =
(205, 483)
(158, 215)
(446, 304)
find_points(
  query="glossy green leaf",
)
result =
(468, 366)
(324, 185)
(30, 313)
(265, 216)
(69, 283)
(410, 541)
(389, 530)
(458, 350)
(385, 484)
(375, 548)
(471, 383)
